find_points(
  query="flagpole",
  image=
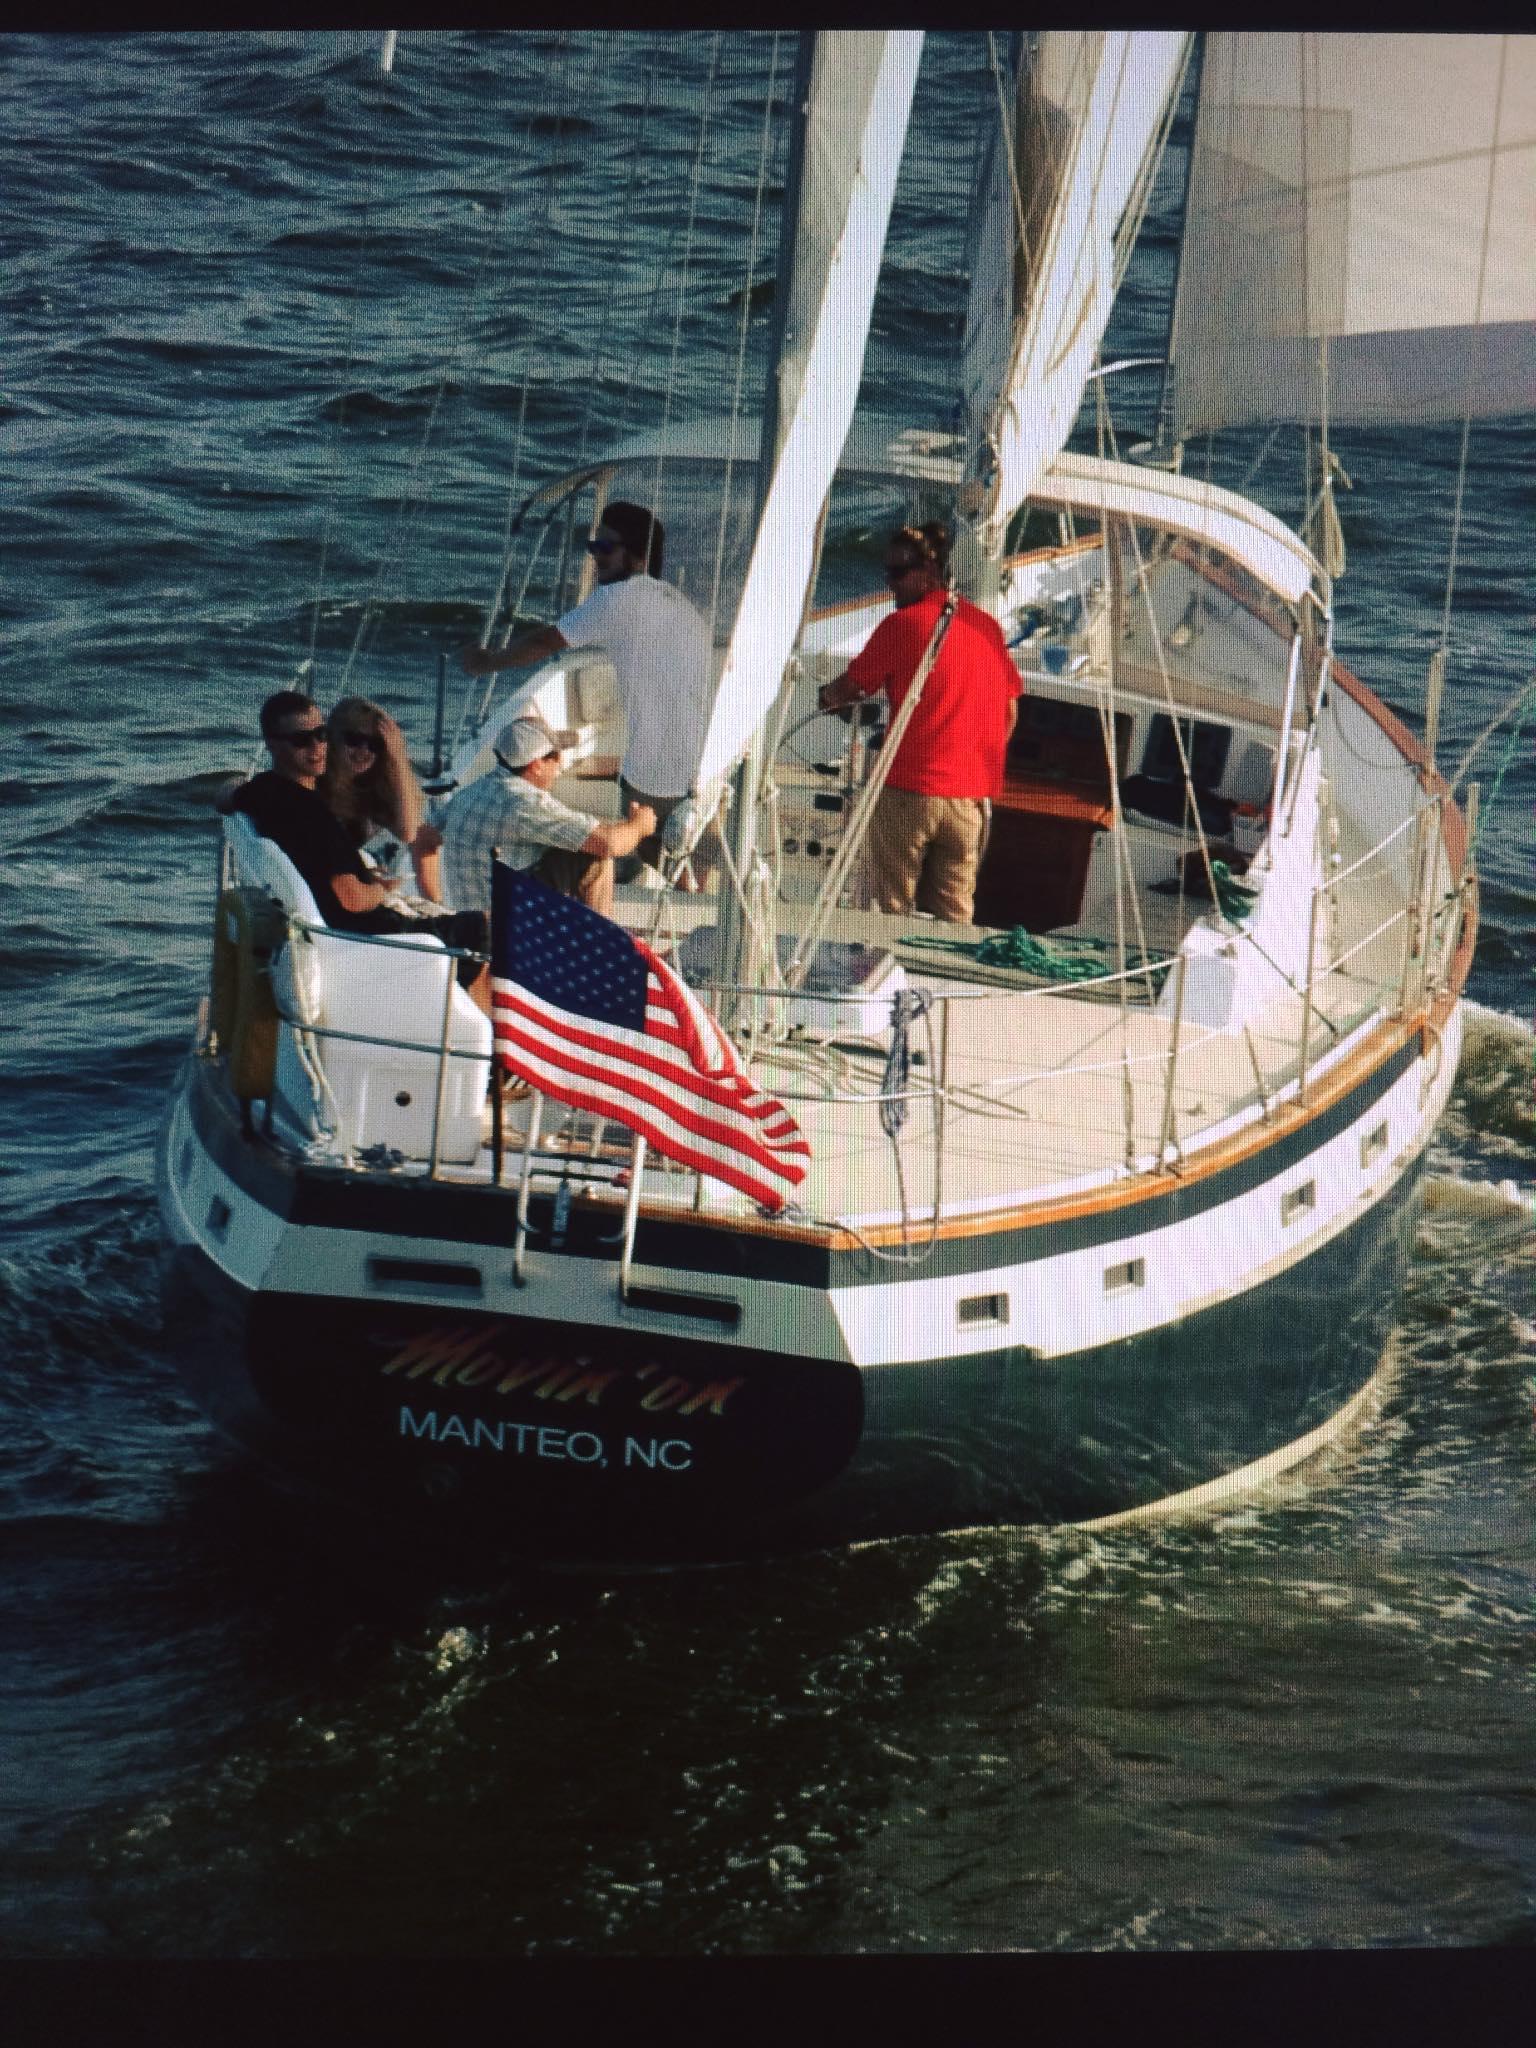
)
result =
(631, 1213)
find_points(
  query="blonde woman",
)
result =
(371, 787)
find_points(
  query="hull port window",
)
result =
(1297, 1201)
(434, 1273)
(1373, 1145)
(1129, 1273)
(982, 1308)
(218, 1217)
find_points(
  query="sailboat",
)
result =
(1109, 1194)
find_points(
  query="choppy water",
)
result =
(231, 1728)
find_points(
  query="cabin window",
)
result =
(1207, 746)
(1373, 1145)
(1129, 1273)
(982, 1308)
(218, 1217)
(1297, 1201)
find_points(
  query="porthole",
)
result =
(982, 1308)
(1297, 1201)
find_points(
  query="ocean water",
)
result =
(257, 301)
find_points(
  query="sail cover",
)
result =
(859, 99)
(1091, 105)
(1360, 241)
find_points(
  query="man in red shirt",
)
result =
(929, 825)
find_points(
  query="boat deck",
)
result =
(1046, 1089)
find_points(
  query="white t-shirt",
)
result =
(659, 647)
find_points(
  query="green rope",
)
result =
(1235, 898)
(1079, 959)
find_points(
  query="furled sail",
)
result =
(857, 104)
(1360, 231)
(1090, 105)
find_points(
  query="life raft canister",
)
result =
(249, 928)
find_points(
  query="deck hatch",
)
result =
(436, 1273)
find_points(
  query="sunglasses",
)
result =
(604, 547)
(307, 736)
(894, 571)
(361, 739)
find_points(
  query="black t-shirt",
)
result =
(302, 823)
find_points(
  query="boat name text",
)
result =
(538, 1440)
(463, 1358)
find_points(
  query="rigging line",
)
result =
(408, 511)
(1173, 715)
(634, 187)
(695, 184)
(538, 233)
(763, 155)
(1466, 422)
(1524, 695)
(338, 418)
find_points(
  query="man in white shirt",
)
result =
(659, 647)
(512, 808)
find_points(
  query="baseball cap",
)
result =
(529, 739)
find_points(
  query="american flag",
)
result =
(586, 1013)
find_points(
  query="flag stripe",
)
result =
(592, 1017)
(727, 1161)
(561, 1066)
(733, 1096)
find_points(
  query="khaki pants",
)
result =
(925, 850)
(586, 876)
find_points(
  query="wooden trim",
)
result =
(1389, 1037)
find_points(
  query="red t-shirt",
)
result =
(959, 731)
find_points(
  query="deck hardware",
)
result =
(631, 1214)
(673, 1301)
(1265, 1110)
(450, 980)
(1166, 1134)
(434, 1273)
(530, 1146)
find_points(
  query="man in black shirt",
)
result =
(285, 806)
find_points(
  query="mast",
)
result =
(1091, 106)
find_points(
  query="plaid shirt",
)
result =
(503, 810)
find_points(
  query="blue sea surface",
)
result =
(282, 333)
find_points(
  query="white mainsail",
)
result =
(858, 103)
(1360, 241)
(1091, 105)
